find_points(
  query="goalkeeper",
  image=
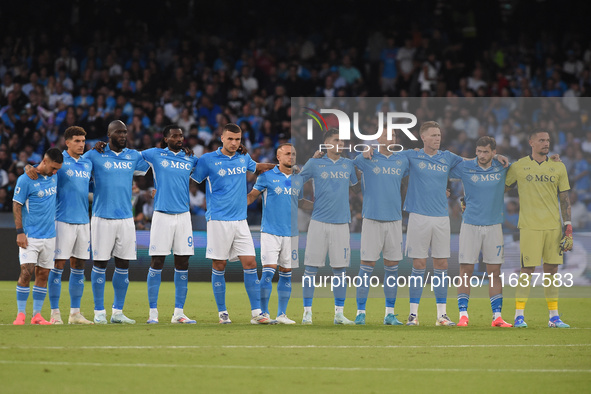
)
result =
(539, 181)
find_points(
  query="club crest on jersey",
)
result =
(398, 163)
(86, 166)
(345, 166)
(164, 163)
(551, 169)
(128, 157)
(222, 172)
(241, 160)
(443, 161)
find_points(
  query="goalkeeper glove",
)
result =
(462, 204)
(566, 243)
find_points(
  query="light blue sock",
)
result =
(153, 281)
(97, 278)
(266, 287)
(441, 290)
(496, 303)
(365, 272)
(463, 300)
(218, 283)
(39, 294)
(415, 285)
(340, 291)
(390, 285)
(283, 292)
(54, 287)
(253, 288)
(22, 295)
(76, 287)
(308, 284)
(120, 285)
(181, 285)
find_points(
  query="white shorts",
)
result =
(72, 240)
(328, 238)
(426, 232)
(227, 240)
(277, 250)
(385, 237)
(40, 251)
(170, 231)
(112, 238)
(489, 239)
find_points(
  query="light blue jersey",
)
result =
(331, 188)
(38, 198)
(278, 191)
(225, 192)
(484, 192)
(73, 181)
(380, 182)
(427, 182)
(113, 176)
(172, 172)
(297, 193)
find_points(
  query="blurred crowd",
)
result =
(203, 80)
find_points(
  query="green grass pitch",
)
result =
(320, 358)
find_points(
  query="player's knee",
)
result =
(158, 262)
(77, 264)
(122, 264)
(181, 263)
(249, 264)
(218, 265)
(100, 264)
(60, 264)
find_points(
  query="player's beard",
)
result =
(118, 145)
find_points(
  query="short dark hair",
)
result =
(232, 127)
(329, 133)
(535, 132)
(55, 155)
(167, 129)
(73, 131)
(487, 140)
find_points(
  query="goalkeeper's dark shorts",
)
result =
(538, 245)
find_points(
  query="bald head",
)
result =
(117, 133)
(116, 125)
